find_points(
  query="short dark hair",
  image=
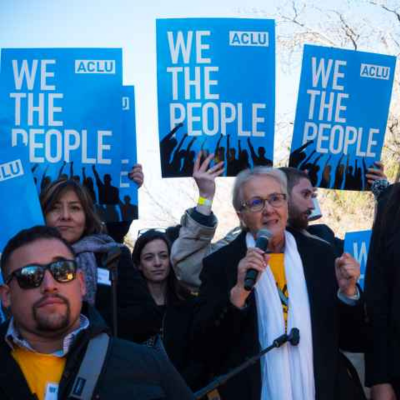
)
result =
(27, 236)
(52, 193)
(293, 177)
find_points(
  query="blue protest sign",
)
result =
(341, 115)
(128, 189)
(19, 201)
(357, 244)
(65, 106)
(216, 92)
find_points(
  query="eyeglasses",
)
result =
(31, 276)
(256, 204)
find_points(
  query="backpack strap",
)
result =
(91, 365)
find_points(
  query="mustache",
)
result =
(50, 296)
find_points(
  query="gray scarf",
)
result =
(85, 250)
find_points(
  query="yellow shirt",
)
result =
(276, 263)
(42, 371)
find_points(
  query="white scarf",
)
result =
(287, 372)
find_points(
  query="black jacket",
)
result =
(130, 371)
(175, 334)
(138, 317)
(227, 336)
(382, 291)
(324, 232)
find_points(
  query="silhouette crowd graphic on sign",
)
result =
(179, 161)
(107, 201)
(325, 174)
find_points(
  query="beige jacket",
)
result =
(194, 244)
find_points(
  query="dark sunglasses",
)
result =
(31, 276)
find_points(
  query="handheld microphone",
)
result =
(263, 237)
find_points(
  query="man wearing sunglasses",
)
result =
(43, 345)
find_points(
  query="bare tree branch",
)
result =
(395, 12)
(166, 216)
(348, 31)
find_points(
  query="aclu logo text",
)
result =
(95, 66)
(375, 71)
(11, 170)
(125, 104)
(250, 39)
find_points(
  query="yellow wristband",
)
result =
(204, 202)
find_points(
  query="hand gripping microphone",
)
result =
(263, 237)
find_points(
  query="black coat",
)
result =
(226, 336)
(382, 291)
(324, 232)
(130, 371)
(138, 317)
(175, 333)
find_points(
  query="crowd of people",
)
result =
(175, 314)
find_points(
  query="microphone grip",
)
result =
(251, 276)
(250, 279)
